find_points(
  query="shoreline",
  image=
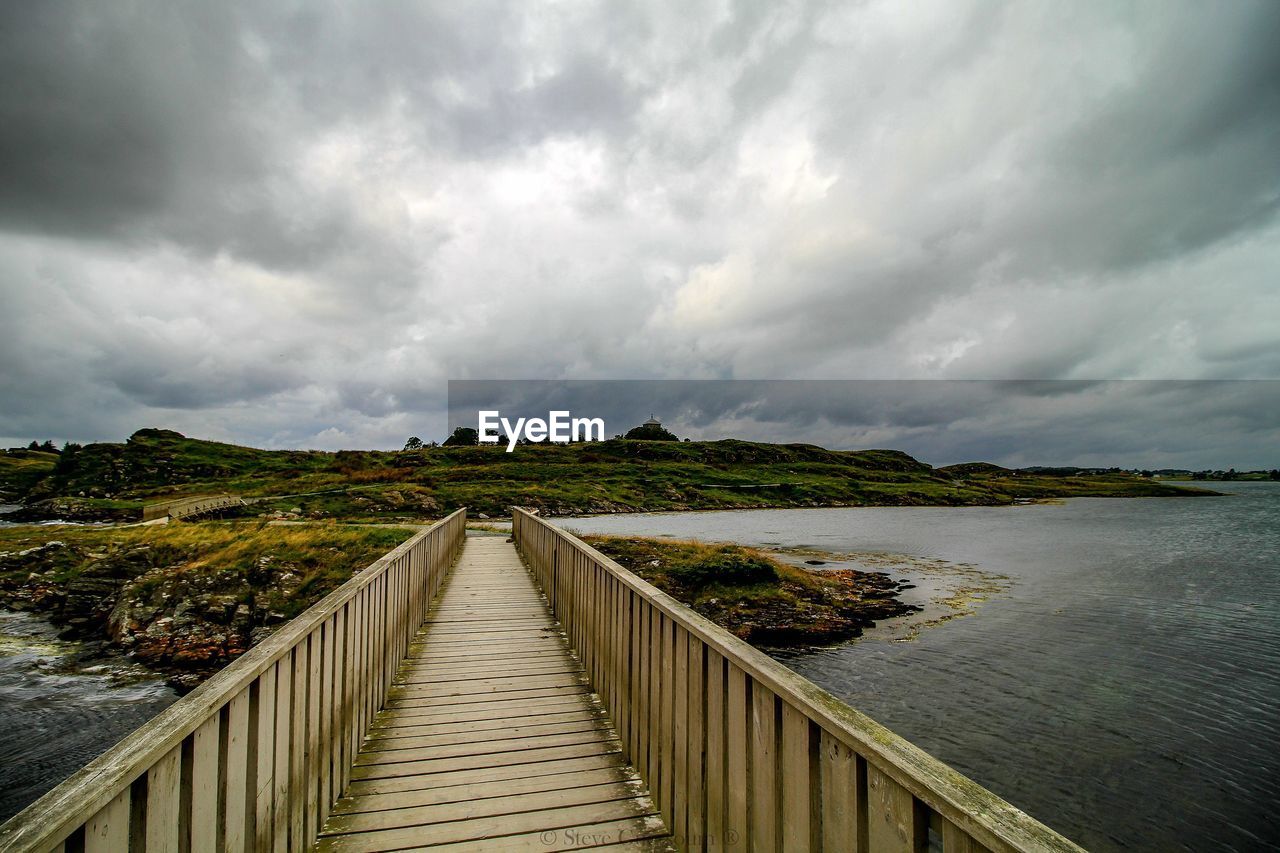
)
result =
(772, 603)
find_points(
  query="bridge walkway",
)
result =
(491, 738)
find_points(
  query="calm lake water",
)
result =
(1124, 684)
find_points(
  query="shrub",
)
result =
(723, 564)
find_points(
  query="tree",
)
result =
(649, 432)
(462, 437)
(414, 443)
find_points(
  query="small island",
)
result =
(185, 598)
(113, 481)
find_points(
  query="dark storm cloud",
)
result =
(1095, 423)
(289, 223)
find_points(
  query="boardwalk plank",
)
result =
(486, 828)
(491, 734)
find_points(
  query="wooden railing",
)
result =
(254, 758)
(190, 506)
(741, 753)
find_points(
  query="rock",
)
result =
(220, 607)
(815, 562)
(185, 682)
(51, 545)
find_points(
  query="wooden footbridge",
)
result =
(455, 696)
(191, 507)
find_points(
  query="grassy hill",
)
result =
(21, 470)
(612, 476)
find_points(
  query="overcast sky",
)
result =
(288, 224)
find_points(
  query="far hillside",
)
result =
(114, 480)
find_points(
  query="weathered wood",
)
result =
(956, 840)
(895, 822)
(298, 749)
(235, 794)
(753, 733)
(680, 793)
(546, 765)
(264, 749)
(738, 749)
(228, 766)
(795, 782)
(163, 796)
(328, 702)
(205, 759)
(282, 785)
(765, 772)
(486, 828)
(839, 796)
(108, 830)
(259, 762)
(456, 750)
(695, 785)
(666, 740)
(716, 771)
(549, 780)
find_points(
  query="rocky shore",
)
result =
(757, 597)
(176, 604)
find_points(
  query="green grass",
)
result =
(610, 476)
(246, 560)
(753, 595)
(21, 470)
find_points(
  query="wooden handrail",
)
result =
(740, 752)
(255, 756)
(188, 506)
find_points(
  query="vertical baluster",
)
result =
(236, 771)
(715, 770)
(679, 814)
(764, 768)
(644, 691)
(298, 749)
(654, 777)
(108, 830)
(796, 771)
(339, 696)
(164, 781)
(738, 759)
(696, 785)
(328, 699)
(839, 795)
(895, 821)
(264, 776)
(283, 762)
(205, 749)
